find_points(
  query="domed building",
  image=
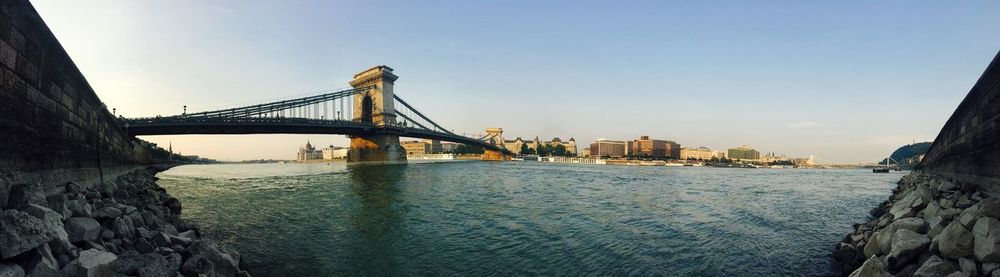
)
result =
(309, 152)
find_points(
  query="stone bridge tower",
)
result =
(375, 106)
(494, 136)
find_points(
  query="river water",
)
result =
(526, 218)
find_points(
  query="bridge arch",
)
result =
(367, 106)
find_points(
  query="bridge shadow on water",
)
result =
(377, 219)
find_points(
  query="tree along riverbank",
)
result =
(129, 226)
(930, 226)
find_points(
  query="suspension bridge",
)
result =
(369, 113)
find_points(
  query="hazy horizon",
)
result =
(846, 83)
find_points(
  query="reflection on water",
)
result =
(375, 220)
(478, 218)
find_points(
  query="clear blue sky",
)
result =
(843, 80)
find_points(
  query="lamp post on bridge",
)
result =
(185, 110)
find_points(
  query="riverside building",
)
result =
(427, 146)
(700, 153)
(334, 152)
(515, 144)
(646, 147)
(608, 148)
(743, 153)
(308, 152)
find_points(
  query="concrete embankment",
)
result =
(943, 220)
(125, 227)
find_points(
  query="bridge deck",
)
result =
(240, 126)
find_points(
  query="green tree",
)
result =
(559, 150)
(543, 150)
(524, 149)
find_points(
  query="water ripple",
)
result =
(523, 218)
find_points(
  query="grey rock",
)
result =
(80, 208)
(91, 262)
(22, 195)
(136, 219)
(986, 235)
(935, 231)
(883, 237)
(954, 241)
(63, 260)
(129, 209)
(968, 267)
(121, 228)
(225, 263)
(990, 207)
(11, 270)
(169, 229)
(143, 246)
(904, 207)
(957, 274)
(145, 233)
(949, 214)
(73, 188)
(906, 245)
(39, 262)
(872, 267)
(164, 250)
(173, 204)
(930, 211)
(107, 234)
(964, 202)
(93, 245)
(187, 241)
(946, 203)
(151, 219)
(989, 268)
(82, 229)
(935, 266)
(107, 212)
(969, 216)
(947, 186)
(93, 194)
(161, 239)
(59, 203)
(197, 266)
(147, 265)
(190, 234)
(52, 221)
(871, 248)
(20, 232)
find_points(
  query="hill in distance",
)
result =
(907, 153)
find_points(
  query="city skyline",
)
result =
(848, 84)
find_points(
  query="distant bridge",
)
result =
(369, 113)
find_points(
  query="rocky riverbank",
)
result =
(930, 226)
(126, 227)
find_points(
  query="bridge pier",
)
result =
(494, 136)
(490, 155)
(383, 149)
(375, 106)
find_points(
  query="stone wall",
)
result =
(53, 127)
(968, 147)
